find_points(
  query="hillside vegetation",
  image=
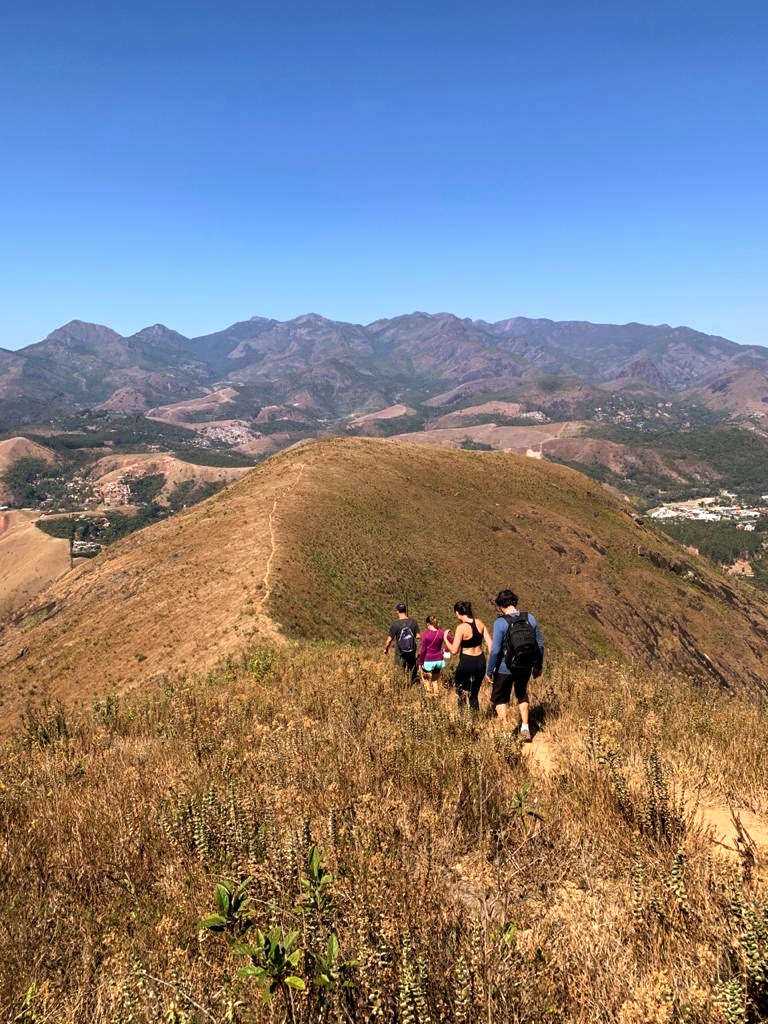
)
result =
(299, 547)
(250, 818)
(365, 853)
(433, 526)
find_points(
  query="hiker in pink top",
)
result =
(432, 655)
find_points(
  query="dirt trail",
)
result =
(735, 831)
(537, 452)
(265, 623)
(541, 754)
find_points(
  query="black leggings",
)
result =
(469, 676)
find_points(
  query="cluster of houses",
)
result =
(713, 510)
(85, 548)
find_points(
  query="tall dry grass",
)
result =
(430, 869)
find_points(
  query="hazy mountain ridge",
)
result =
(337, 368)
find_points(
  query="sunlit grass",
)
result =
(455, 878)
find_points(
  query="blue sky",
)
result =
(198, 163)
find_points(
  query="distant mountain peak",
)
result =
(158, 333)
(82, 330)
(311, 318)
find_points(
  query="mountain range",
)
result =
(325, 370)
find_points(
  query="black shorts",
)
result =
(504, 683)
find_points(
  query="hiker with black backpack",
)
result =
(405, 633)
(517, 653)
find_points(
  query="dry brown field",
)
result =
(30, 560)
(513, 439)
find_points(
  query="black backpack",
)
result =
(406, 641)
(520, 649)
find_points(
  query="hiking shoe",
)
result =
(525, 734)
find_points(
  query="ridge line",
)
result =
(266, 584)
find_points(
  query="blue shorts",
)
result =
(430, 666)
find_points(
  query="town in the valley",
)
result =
(723, 507)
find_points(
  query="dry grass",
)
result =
(30, 560)
(516, 439)
(468, 885)
(366, 523)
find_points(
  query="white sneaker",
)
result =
(525, 734)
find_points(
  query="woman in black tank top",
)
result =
(467, 641)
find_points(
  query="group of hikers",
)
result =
(515, 654)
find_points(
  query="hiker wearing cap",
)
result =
(517, 653)
(404, 631)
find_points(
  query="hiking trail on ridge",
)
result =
(736, 831)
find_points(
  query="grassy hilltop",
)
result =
(319, 543)
(373, 522)
(227, 775)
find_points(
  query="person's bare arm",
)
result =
(454, 645)
(486, 635)
(387, 645)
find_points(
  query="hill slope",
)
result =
(30, 560)
(323, 538)
(559, 881)
(12, 450)
(111, 471)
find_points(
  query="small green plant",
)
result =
(331, 972)
(677, 882)
(234, 909)
(729, 998)
(274, 957)
(661, 815)
(316, 883)
(27, 1014)
(260, 662)
(523, 811)
(413, 986)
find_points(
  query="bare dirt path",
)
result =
(736, 832)
(541, 754)
(265, 623)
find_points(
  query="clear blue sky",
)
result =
(196, 163)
